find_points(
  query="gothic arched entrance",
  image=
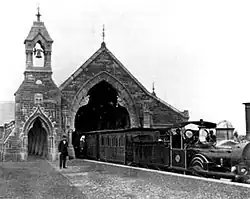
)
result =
(102, 111)
(115, 92)
(38, 136)
(38, 140)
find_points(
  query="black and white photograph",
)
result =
(124, 99)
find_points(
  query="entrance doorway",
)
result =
(38, 140)
(103, 110)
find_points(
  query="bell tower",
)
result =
(38, 47)
(38, 97)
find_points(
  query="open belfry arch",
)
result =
(101, 94)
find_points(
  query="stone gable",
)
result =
(103, 60)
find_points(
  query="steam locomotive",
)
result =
(187, 147)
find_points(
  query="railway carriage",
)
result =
(178, 148)
(116, 145)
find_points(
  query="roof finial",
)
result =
(103, 36)
(103, 33)
(153, 89)
(38, 13)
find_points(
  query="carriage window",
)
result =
(118, 139)
(102, 141)
(107, 140)
(121, 141)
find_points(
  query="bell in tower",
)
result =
(38, 55)
(37, 52)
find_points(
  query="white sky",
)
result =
(196, 51)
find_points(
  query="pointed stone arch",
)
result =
(124, 97)
(47, 124)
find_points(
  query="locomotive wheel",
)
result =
(197, 164)
(194, 170)
(157, 168)
(199, 161)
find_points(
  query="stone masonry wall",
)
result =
(42, 83)
(105, 62)
(25, 97)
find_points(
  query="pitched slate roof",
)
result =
(38, 28)
(95, 55)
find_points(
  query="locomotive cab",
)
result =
(223, 159)
(203, 158)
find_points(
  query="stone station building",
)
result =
(101, 94)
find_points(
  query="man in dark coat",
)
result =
(63, 151)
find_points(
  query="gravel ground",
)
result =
(99, 181)
(83, 179)
(35, 179)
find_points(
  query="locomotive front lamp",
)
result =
(243, 171)
(188, 134)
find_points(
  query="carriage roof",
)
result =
(200, 123)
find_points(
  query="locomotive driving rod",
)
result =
(217, 174)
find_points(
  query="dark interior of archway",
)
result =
(37, 140)
(102, 111)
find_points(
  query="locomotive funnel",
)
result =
(247, 112)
